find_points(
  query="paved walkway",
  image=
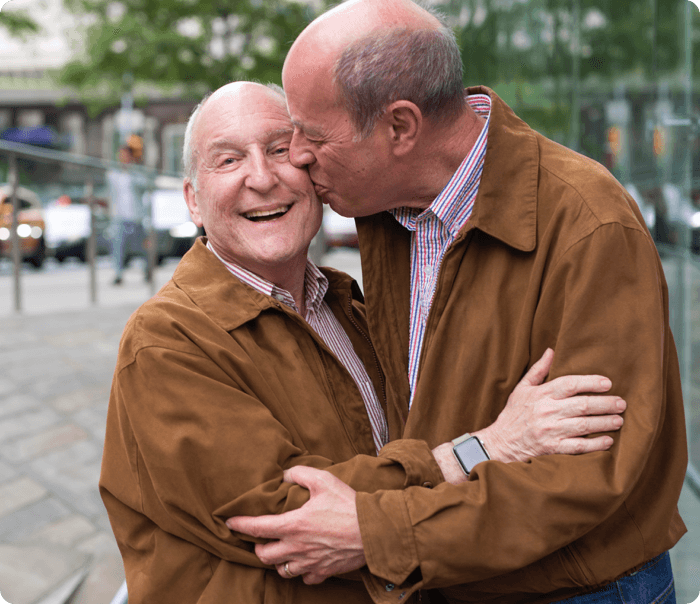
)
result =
(55, 374)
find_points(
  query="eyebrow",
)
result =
(306, 129)
(229, 143)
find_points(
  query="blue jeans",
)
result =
(651, 584)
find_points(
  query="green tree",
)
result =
(185, 46)
(18, 23)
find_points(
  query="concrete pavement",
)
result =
(55, 372)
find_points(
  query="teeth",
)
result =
(261, 213)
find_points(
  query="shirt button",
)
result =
(278, 297)
(428, 485)
(389, 587)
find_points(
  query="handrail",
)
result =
(52, 155)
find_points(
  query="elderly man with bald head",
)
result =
(251, 361)
(483, 243)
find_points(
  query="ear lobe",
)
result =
(406, 123)
(191, 201)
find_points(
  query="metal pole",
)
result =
(92, 240)
(152, 250)
(14, 235)
(575, 128)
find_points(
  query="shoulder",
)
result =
(162, 322)
(577, 195)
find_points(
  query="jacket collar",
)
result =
(228, 301)
(506, 204)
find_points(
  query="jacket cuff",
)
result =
(387, 536)
(384, 592)
(417, 460)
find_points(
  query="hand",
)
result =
(320, 539)
(544, 419)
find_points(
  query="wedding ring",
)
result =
(287, 571)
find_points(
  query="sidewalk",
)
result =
(54, 387)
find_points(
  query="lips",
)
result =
(266, 215)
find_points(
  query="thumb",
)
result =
(311, 478)
(539, 371)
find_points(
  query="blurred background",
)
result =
(617, 80)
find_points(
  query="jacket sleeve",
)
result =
(602, 308)
(188, 463)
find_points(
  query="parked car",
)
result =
(175, 231)
(68, 228)
(338, 230)
(30, 226)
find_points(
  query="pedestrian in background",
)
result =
(126, 195)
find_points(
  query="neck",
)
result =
(444, 149)
(287, 275)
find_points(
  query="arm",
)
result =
(185, 441)
(323, 538)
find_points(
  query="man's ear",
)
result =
(405, 122)
(191, 201)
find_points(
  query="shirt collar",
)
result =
(315, 283)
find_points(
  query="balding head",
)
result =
(232, 90)
(367, 54)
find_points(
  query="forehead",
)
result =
(245, 118)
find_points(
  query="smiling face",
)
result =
(258, 210)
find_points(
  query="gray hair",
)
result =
(423, 66)
(189, 154)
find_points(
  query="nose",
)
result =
(262, 174)
(300, 153)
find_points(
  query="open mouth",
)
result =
(267, 215)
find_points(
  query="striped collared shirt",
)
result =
(322, 320)
(434, 229)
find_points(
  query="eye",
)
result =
(281, 151)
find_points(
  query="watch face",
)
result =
(469, 453)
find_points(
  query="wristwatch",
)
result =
(469, 451)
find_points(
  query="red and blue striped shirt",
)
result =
(435, 228)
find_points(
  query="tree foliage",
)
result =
(191, 46)
(529, 50)
(18, 23)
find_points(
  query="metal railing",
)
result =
(18, 150)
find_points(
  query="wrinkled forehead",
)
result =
(246, 117)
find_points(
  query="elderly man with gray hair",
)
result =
(252, 361)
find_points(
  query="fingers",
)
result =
(311, 478)
(538, 372)
(274, 553)
(593, 405)
(578, 446)
(266, 527)
(571, 385)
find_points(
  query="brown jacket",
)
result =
(217, 390)
(555, 255)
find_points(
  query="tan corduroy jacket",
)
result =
(555, 255)
(217, 390)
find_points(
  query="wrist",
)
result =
(496, 446)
